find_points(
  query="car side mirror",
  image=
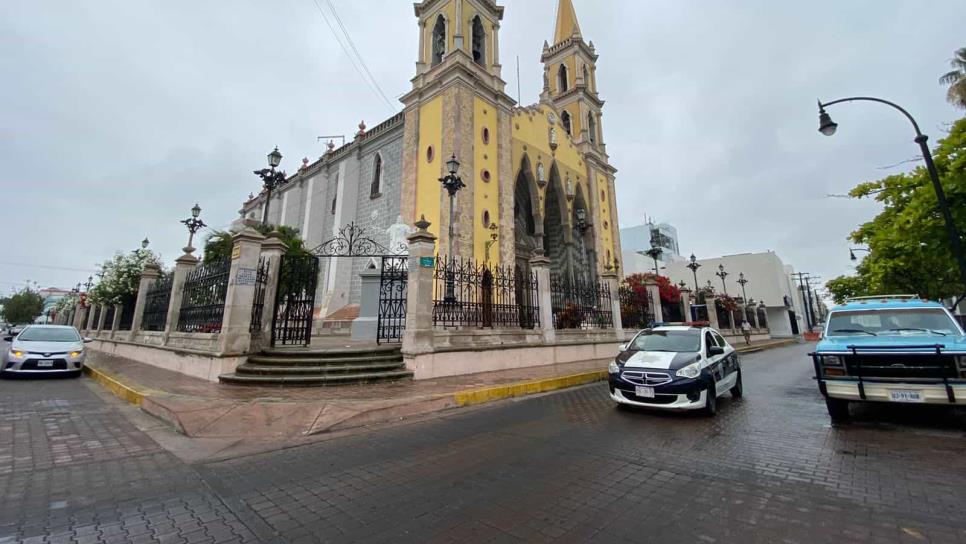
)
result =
(715, 350)
(8, 339)
(88, 340)
(622, 348)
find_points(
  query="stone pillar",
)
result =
(273, 248)
(712, 303)
(149, 275)
(101, 318)
(655, 292)
(235, 337)
(185, 264)
(751, 316)
(418, 338)
(90, 320)
(116, 324)
(731, 320)
(611, 281)
(686, 304)
(540, 266)
(366, 326)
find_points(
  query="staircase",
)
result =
(300, 367)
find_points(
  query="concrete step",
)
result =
(333, 380)
(324, 361)
(330, 352)
(249, 369)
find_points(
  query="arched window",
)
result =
(562, 80)
(335, 196)
(375, 190)
(565, 119)
(592, 127)
(479, 42)
(586, 76)
(439, 40)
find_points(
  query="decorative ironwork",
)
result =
(636, 307)
(762, 318)
(298, 278)
(156, 304)
(722, 313)
(393, 290)
(484, 296)
(580, 305)
(127, 312)
(258, 303)
(203, 302)
(672, 312)
(353, 241)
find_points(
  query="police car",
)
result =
(897, 349)
(675, 367)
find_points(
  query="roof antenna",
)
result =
(519, 95)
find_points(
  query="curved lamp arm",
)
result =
(915, 125)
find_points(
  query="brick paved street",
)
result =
(564, 467)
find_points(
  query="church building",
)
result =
(537, 177)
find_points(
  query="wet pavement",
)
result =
(564, 467)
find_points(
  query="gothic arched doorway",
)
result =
(583, 253)
(527, 230)
(556, 227)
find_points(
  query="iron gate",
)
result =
(295, 300)
(392, 299)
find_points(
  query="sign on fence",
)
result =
(427, 262)
(247, 276)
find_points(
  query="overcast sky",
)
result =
(116, 116)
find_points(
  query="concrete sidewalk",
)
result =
(201, 409)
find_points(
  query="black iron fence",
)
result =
(156, 304)
(258, 304)
(673, 312)
(109, 318)
(580, 305)
(203, 302)
(636, 307)
(722, 314)
(762, 318)
(95, 322)
(127, 312)
(484, 296)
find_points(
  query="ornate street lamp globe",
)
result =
(274, 158)
(825, 124)
(453, 165)
(196, 211)
(144, 243)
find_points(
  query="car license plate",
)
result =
(45, 363)
(905, 396)
(645, 392)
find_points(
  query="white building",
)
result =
(637, 240)
(769, 281)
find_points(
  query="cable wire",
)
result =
(358, 55)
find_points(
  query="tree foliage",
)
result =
(23, 307)
(670, 293)
(956, 79)
(218, 245)
(909, 248)
(121, 277)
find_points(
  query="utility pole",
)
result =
(805, 302)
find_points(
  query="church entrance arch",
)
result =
(527, 224)
(557, 238)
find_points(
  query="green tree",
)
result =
(218, 244)
(23, 307)
(909, 247)
(956, 79)
(121, 277)
(845, 287)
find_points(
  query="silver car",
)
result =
(44, 349)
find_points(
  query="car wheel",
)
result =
(710, 401)
(838, 409)
(738, 390)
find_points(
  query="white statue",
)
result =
(570, 187)
(398, 236)
(553, 136)
(541, 173)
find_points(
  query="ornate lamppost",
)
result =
(582, 226)
(452, 183)
(722, 274)
(852, 251)
(694, 265)
(742, 281)
(829, 127)
(194, 225)
(654, 253)
(270, 180)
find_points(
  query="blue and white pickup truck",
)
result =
(890, 349)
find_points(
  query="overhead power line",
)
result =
(362, 61)
(66, 268)
(355, 60)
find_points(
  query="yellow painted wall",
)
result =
(531, 129)
(428, 173)
(449, 12)
(486, 195)
(603, 220)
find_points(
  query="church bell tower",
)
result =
(458, 107)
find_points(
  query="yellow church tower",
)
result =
(458, 107)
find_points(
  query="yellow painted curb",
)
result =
(499, 392)
(120, 390)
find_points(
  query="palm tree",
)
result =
(956, 79)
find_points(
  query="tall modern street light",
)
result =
(852, 251)
(194, 225)
(742, 281)
(694, 265)
(270, 180)
(722, 274)
(452, 183)
(828, 128)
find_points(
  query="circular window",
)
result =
(485, 174)
(430, 154)
(486, 219)
(486, 136)
(606, 225)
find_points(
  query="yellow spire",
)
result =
(567, 24)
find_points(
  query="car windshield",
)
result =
(684, 341)
(891, 322)
(44, 334)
